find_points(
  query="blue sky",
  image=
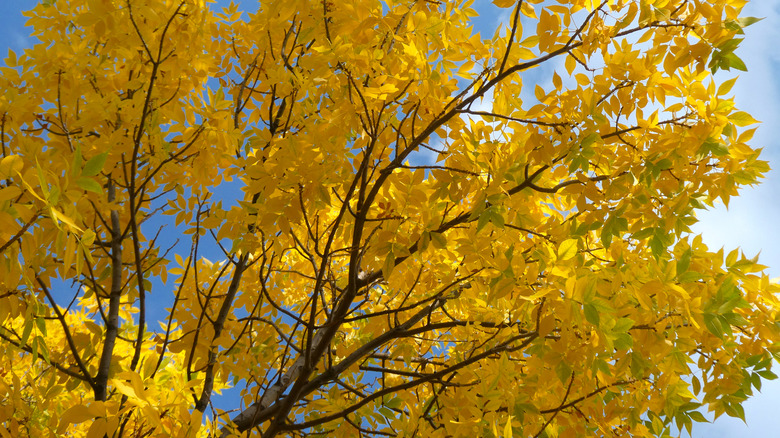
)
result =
(753, 219)
(751, 222)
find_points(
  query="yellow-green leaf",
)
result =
(567, 249)
(741, 118)
(94, 165)
(10, 165)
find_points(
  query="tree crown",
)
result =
(356, 214)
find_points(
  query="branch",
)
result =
(515, 22)
(262, 410)
(19, 233)
(68, 336)
(112, 321)
(589, 395)
(512, 119)
(219, 324)
(505, 346)
(62, 368)
(555, 414)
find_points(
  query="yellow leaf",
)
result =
(726, 86)
(125, 389)
(293, 148)
(741, 118)
(682, 292)
(10, 61)
(528, 10)
(75, 414)
(523, 53)
(643, 295)
(567, 249)
(137, 385)
(87, 237)
(99, 428)
(58, 216)
(570, 64)
(9, 192)
(410, 50)
(97, 409)
(10, 165)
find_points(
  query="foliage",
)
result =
(404, 241)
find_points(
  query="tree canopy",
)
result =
(364, 218)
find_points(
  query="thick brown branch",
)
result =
(505, 346)
(112, 320)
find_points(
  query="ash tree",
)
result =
(365, 219)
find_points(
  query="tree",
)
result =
(355, 215)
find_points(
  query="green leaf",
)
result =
(323, 194)
(41, 348)
(624, 341)
(603, 366)
(497, 219)
(75, 165)
(491, 215)
(563, 370)
(747, 21)
(657, 247)
(734, 62)
(730, 45)
(684, 261)
(483, 220)
(591, 314)
(712, 146)
(34, 349)
(389, 265)
(643, 234)
(638, 364)
(89, 184)
(41, 324)
(698, 417)
(438, 240)
(713, 325)
(606, 236)
(394, 403)
(589, 140)
(755, 380)
(425, 240)
(623, 325)
(28, 326)
(94, 165)
(735, 410)
(729, 305)
(734, 26)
